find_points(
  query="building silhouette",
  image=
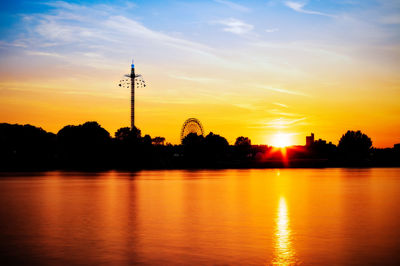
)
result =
(310, 140)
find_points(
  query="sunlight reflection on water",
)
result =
(206, 217)
(284, 252)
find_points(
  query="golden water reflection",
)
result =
(207, 217)
(284, 252)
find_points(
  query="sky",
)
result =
(243, 68)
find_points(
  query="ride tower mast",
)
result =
(132, 95)
(132, 81)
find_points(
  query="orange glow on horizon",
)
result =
(281, 140)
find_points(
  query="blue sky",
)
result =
(216, 24)
(261, 66)
(289, 20)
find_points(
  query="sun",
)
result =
(281, 140)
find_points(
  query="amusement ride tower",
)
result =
(131, 81)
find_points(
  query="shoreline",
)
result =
(193, 168)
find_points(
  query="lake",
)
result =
(207, 217)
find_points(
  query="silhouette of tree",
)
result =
(84, 145)
(147, 140)
(136, 132)
(355, 145)
(216, 147)
(243, 141)
(123, 133)
(193, 140)
(126, 134)
(128, 148)
(90, 146)
(158, 141)
(26, 146)
(193, 149)
(243, 147)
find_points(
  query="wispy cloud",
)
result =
(272, 30)
(134, 28)
(299, 7)
(233, 5)
(281, 105)
(38, 53)
(74, 30)
(281, 123)
(195, 79)
(236, 26)
(280, 113)
(245, 106)
(44, 87)
(282, 90)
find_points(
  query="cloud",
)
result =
(98, 36)
(63, 5)
(282, 90)
(272, 30)
(236, 26)
(281, 105)
(298, 6)
(280, 123)
(283, 122)
(233, 5)
(277, 112)
(113, 29)
(44, 87)
(195, 79)
(245, 106)
(391, 19)
(133, 28)
(38, 53)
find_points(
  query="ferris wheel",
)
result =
(192, 125)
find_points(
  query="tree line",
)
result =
(90, 146)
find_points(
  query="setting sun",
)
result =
(281, 140)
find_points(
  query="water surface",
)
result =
(228, 217)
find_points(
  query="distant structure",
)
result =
(191, 125)
(310, 140)
(131, 81)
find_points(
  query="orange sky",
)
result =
(238, 80)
